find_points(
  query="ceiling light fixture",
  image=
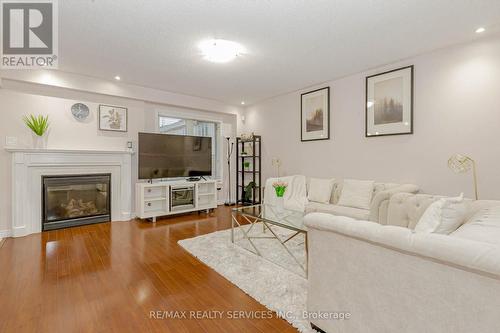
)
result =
(117, 78)
(242, 102)
(220, 50)
(480, 30)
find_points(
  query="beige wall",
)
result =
(19, 98)
(457, 109)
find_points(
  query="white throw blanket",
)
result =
(295, 197)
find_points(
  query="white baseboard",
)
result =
(126, 216)
(5, 233)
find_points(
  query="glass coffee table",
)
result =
(264, 222)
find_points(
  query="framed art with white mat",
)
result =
(112, 118)
(315, 115)
(389, 103)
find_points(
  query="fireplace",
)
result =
(72, 200)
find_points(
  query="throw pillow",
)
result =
(443, 216)
(320, 190)
(483, 226)
(356, 193)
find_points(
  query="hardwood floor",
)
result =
(108, 277)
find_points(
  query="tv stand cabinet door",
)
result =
(152, 195)
(206, 195)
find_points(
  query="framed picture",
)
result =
(112, 118)
(389, 103)
(315, 115)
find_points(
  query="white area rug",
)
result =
(273, 286)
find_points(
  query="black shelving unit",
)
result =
(253, 174)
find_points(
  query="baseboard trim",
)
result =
(5, 233)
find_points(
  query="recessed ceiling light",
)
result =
(242, 102)
(480, 30)
(220, 50)
(117, 78)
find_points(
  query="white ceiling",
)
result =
(291, 43)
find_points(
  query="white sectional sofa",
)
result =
(393, 279)
(300, 187)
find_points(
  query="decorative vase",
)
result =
(39, 142)
(249, 150)
(280, 204)
(280, 192)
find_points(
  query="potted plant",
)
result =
(280, 188)
(247, 192)
(39, 126)
(246, 166)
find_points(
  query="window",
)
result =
(181, 126)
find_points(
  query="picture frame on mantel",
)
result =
(315, 115)
(113, 118)
(389, 103)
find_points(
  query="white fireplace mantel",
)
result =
(29, 165)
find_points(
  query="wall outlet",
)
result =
(10, 141)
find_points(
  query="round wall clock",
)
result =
(80, 111)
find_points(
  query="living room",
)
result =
(211, 172)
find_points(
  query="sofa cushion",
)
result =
(377, 187)
(356, 193)
(443, 216)
(355, 213)
(405, 209)
(320, 190)
(484, 226)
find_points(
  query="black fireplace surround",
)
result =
(73, 200)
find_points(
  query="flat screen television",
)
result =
(167, 156)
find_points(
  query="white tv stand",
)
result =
(156, 199)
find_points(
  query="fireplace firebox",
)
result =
(73, 200)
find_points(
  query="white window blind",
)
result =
(181, 126)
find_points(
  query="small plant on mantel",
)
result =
(39, 125)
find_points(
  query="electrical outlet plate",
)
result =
(10, 141)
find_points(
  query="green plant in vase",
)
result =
(39, 126)
(279, 188)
